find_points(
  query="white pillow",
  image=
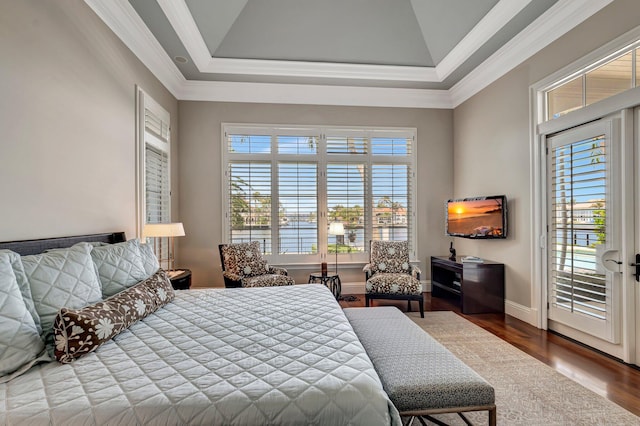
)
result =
(119, 266)
(20, 342)
(61, 278)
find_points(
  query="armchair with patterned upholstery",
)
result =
(244, 266)
(390, 275)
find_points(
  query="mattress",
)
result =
(246, 356)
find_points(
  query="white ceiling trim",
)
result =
(180, 17)
(551, 25)
(129, 27)
(314, 95)
(178, 14)
(123, 20)
(321, 70)
(501, 14)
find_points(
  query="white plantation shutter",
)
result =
(298, 191)
(578, 196)
(153, 168)
(392, 183)
(156, 163)
(391, 187)
(158, 202)
(249, 209)
(303, 178)
(346, 184)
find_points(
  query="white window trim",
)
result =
(144, 102)
(302, 261)
(539, 129)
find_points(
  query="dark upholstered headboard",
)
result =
(26, 247)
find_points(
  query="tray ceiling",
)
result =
(410, 47)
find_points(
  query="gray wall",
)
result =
(200, 166)
(491, 141)
(67, 114)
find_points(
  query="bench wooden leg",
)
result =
(492, 416)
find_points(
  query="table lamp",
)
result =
(336, 228)
(164, 230)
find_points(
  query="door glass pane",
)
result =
(565, 98)
(609, 79)
(297, 211)
(578, 216)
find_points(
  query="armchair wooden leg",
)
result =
(409, 305)
(366, 301)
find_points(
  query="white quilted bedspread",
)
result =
(250, 356)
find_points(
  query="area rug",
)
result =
(528, 392)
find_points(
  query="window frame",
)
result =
(145, 138)
(627, 43)
(322, 159)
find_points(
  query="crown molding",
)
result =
(499, 16)
(321, 70)
(551, 25)
(123, 20)
(314, 95)
(180, 18)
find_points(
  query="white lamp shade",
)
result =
(336, 228)
(163, 230)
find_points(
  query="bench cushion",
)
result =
(393, 283)
(416, 371)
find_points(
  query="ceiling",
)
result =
(414, 53)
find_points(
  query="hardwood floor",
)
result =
(605, 376)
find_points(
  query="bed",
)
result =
(278, 355)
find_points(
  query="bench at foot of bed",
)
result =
(420, 375)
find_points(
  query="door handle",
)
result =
(637, 265)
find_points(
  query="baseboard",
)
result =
(353, 288)
(521, 312)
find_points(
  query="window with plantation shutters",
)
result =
(154, 186)
(286, 184)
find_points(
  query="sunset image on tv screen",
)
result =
(480, 218)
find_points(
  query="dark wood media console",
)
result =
(480, 286)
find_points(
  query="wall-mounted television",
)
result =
(478, 217)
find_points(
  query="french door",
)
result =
(584, 232)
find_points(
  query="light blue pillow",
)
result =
(149, 260)
(23, 284)
(61, 278)
(20, 342)
(119, 266)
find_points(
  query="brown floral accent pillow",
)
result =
(78, 332)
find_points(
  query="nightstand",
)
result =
(181, 280)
